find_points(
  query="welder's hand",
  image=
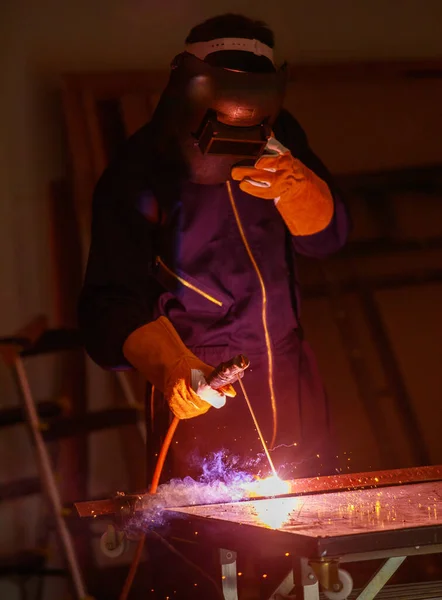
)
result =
(302, 198)
(215, 398)
(186, 401)
(158, 352)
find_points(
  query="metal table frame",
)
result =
(304, 580)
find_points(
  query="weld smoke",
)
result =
(222, 480)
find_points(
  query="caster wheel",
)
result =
(347, 587)
(112, 542)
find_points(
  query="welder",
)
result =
(196, 225)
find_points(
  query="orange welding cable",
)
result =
(162, 456)
(153, 490)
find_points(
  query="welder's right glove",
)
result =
(303, 199)
(157, 351)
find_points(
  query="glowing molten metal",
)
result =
(270, 486)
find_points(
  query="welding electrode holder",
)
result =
(228, 372)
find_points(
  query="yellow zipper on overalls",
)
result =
(264, 311)
(187, 284)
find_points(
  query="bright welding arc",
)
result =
(258, 429)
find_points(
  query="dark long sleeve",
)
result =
(334, 236)
(117, 296)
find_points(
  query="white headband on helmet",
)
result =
(202, 49)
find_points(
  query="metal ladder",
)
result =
(35, 340)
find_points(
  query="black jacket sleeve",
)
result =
(290, 133)
(118, 294)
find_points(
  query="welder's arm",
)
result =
(158, 352)
(117, 292)
(302, 189)
(115, 311)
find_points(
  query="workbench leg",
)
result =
(228, 573)
(380, 578)
(306, 584)
(285, 589)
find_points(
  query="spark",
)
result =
(283, 446)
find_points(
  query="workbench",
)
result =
(320, 524)
(323, 523)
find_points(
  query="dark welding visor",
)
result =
(219, 139)
(227, 112)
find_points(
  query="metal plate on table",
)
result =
(333, 523)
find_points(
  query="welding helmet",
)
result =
(214, 117)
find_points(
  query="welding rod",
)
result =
(233, 371)
(258, 429)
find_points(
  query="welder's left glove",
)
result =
(302, 198)
(157, 351)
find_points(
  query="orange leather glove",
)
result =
(302, 198)
(158, 352)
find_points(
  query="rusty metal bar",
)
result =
(330, 483)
